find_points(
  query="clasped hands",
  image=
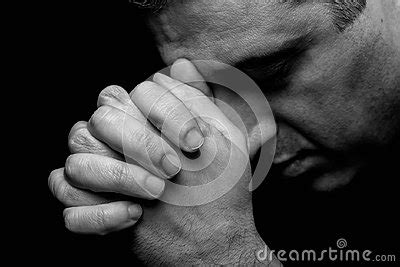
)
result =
(155, 127)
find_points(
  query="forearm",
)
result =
(242, 247)
(208, 241)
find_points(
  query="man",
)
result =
(331, 73)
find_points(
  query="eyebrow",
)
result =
(275, 65)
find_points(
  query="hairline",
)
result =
(344, 12)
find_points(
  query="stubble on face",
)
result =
(339, 96)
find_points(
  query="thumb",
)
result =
(184, 71)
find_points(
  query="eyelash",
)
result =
(276, 76)
(273, 84)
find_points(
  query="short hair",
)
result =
(345, 12)
(153, 5)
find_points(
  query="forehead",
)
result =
(230, 30)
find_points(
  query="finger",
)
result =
(203, 107)
(71, 196)
(132, 138)
(102, 174)
(199, 104)
(102, 219)
(80, 140)
(115, 96)
(169, 115)
(184, 71)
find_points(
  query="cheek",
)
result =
(324, 114)
(334, 99)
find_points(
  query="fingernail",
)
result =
(194, 139)
(154, 185)
(134, 211)
(171, 164)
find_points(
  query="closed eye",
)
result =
(273, 69)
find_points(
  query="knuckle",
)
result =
(143, 89)
(173, 113)
(97, 220)
(74, 164)
(153, 150)
(110, 94)
(70, 219)
(169, 112)
(101, 218)
(77, 126)
(170, 108)
(79, 140)
(101, 116)
(83, 142)
(149, 143)
(52, 181)
(61, 190)
(70, 163)
(67, 194)
(121, 174)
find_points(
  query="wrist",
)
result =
(232, 243)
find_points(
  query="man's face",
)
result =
(334, 95)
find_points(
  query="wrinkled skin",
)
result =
(339, 100)
(210, 233)
(342, 96)
(213, 232)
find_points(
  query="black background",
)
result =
(72, 50)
